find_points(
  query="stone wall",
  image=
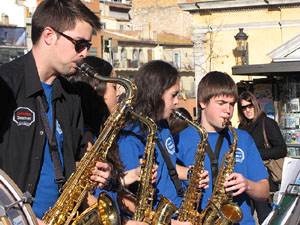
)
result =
(170, 19)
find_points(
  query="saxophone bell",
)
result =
(229, 213)
(103, 212)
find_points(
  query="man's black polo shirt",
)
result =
(22, 136)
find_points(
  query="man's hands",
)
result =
(101, 174)
(238, 184)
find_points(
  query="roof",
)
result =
(270, 69)
(134, 36)
(233, 4)
(118, 5)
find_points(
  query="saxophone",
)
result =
(220, 209)
(143, 210)
(79, 184)
(189, 207)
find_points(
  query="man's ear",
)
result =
(49, 35)
(202, 104)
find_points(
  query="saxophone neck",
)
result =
(129, 87)
(198, 127)
(228, 124)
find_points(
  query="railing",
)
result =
(135, 64)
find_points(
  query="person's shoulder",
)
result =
(187, 137)
(13, 69)
(270, 121)
(130, 134)
(68, 86)
(242, 133)
(190, 130)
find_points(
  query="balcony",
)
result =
(115, 63)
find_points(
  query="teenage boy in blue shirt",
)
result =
(217, 94)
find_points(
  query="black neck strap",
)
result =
(59, 178)
(171, 169)
(214, 156)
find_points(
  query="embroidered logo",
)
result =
(170, 145)
(239, 155)
(23, 116)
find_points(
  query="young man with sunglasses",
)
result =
(36, 100)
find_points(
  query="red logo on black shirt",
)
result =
(24, 116)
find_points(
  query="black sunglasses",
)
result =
(80, 45)
(244, 107)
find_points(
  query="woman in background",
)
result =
(251, 120)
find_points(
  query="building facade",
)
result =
(267, 25)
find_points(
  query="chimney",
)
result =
(5, 19)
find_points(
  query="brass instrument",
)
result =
(79, 184)
(220, 209)
(143, 211)
(189, 207)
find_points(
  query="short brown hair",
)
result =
(61, 15)
(214, 84)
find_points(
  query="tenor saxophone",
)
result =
(189, 207)
(221, 209)
(143, 211)
(79, 184)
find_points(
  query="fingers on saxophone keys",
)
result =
(101, 173)
(204, 180)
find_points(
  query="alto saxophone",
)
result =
(143, 210)
(221, 209)
(189, 207)
(79, 183)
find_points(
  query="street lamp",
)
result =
(241, 50)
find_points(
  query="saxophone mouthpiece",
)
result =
(87, 69)
(177, 114)
(226, 122)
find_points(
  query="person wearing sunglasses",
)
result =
(41, 117)
(251, 119)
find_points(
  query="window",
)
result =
(140, 56)
(176, 60)
(135, 58)
(121, 26)
(123, 57)
(103, 26)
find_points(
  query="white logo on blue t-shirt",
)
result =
(239, 155)
(58, 128)
(170, 145)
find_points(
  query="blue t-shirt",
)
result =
(248, 162)
(132, 149)
(47, 191)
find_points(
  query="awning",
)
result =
(270, 69)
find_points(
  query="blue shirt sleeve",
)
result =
(131, 150)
